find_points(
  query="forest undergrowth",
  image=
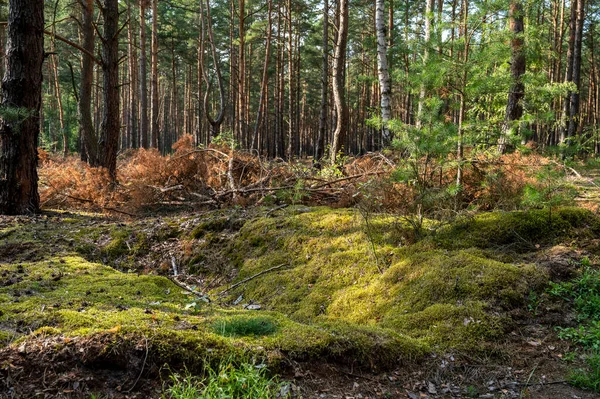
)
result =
(211, 269)
(215, 177)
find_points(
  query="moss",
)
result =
(447, 291)
(71, 297)
(118, 244)
(520, 231)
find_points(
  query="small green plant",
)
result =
(550, 191)
(225, 139)
(584, 294)
(226, 380)
(243, 326)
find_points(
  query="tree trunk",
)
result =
(206, 25)
(428, 19)
(20, 108)
(566, 116)
(320, 142)
(339, 99)
(143, 78)
(132, 120)
(575, 95)
(514, 106)
(264, 84)
(87, 133)
(382, 71)
(154, 76)
(109, 141)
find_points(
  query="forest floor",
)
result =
(97, 306)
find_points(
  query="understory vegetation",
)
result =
(228, 298)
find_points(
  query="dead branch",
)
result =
(251, 278)
(347, 178)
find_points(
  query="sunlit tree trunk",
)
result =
(143, 78)
(320, 142)
(382, 70)
(339, 97)
(154, 77)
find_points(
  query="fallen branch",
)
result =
(251, 278)
(347, 178)
(189, 289)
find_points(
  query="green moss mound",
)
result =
(521, 230)
(72, 298)
(448, 290)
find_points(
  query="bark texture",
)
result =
(514, 106)
(339, 98)
(87, 133)
(109, 141)
(20, 108)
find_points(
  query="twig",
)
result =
(189, 289)
(276, 209)
(119, 211)
(143, 366)
(167, 189)
(347, 178)
(196, 151)
(251, 278)
(174, 265)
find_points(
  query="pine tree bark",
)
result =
(20, 108)
(87, 133)
(143, 78)
(339, 97)
(574, 117)
(514, 106)
(109, 139)
(566, 114)
(154, 77)
(206, 30)
(256, 142)
(382, 70)
(132, 120)
(320, 142)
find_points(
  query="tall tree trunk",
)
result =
(320, 142)
(428, 19)
(382, 70)
(132, 120)
(514, 106)
(566, 114)
(339, 99)
(87, 133)
(574, 117)
(264, 83)
(241, 104)
(206, 25)
(290, 79)
(143, 78)
(154, 76)
(109, 139)
(463, 99)
(20, 108)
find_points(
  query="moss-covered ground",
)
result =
(329, 284)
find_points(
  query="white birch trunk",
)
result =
(382, 70)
